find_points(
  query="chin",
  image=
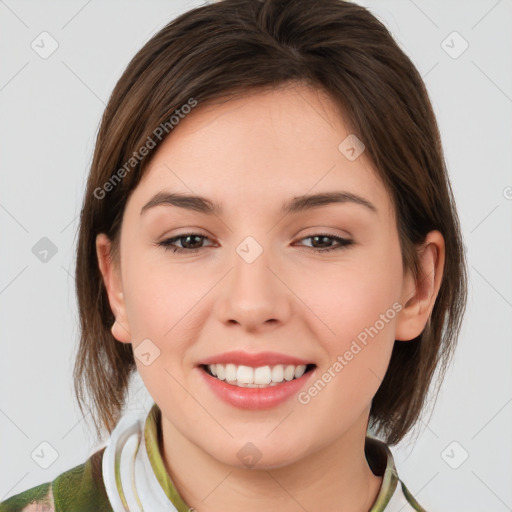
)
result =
(259, 453)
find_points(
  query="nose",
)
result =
(254, 294)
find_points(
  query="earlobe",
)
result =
(121, 331)
(113, 284)
(420, 293)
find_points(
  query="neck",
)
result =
(335, 477)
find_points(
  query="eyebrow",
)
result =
(295, 205)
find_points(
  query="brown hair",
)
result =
(237, 46)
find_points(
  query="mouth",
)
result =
(256, 377)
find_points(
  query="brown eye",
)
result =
(322, 242)
(190, 242)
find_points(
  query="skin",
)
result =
(251, 155)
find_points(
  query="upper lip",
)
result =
(255, 360)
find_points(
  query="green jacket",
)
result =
(79, 489)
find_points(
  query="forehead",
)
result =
(264, 147)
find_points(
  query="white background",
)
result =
(49, 115)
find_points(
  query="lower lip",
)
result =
(255, 398)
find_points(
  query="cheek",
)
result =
(149, 309)
(158, 294)
(159, 305)
(163, 302)
(360, 307)
(351, 298)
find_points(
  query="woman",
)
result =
(269, 237)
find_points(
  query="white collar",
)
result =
(129, 479)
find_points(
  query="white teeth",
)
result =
(289, 372)
(220, 369)
(300, 370)
(262, 376)
(278, 373)
(230, 372)
(245, 375)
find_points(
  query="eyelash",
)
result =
(168, 243)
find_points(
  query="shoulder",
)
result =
(36, 499)
(79, 489)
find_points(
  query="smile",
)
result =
(259, 377)
(253, 388)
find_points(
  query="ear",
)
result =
(419, 295)
(113, 284)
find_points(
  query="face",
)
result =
(254, 288)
